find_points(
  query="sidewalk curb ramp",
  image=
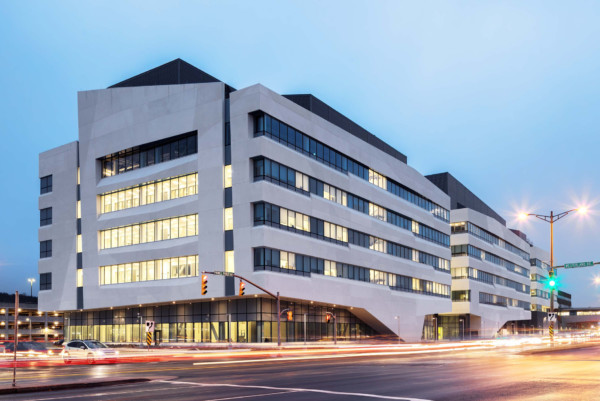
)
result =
(34, 388)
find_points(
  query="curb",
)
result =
(68, 386)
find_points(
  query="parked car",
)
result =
(88, 350)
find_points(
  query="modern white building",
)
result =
(490, 268)
(175, 173)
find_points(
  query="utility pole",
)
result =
(16, 342)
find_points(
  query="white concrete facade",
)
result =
(486, 318)
(111, 120)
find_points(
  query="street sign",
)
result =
(580, 264)
(223, 273)
(149, 326)
(552, 317)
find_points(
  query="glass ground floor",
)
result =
(242, 320)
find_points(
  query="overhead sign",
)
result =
(580, 264)
(223, 273)
(552, 317)
(149, 326)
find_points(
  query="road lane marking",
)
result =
(251, 396)
(306, 390)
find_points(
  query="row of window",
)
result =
(287, 177)
(488, 278)
(149, 192)
(470, 250)
(273, 215)
(492, 299)
(150, 270)
(487, 236)
(537, 278)
(281, 132)
(149, 154)
(150, 231)
(540, 294)
(461, 296)
(266, 213)
(539, 263)
(293, 263)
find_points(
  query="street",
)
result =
(473, 374)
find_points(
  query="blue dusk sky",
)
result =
(505, 95)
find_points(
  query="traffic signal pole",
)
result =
(551, 327)
(220, 273)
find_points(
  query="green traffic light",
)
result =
(552, 283)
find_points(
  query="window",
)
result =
(149, 192)
(150, 231)
(228, 218)
(45, 281)
(304, 265)
(45, 216)
(279, 131)
(79, 277)
(227, 177)
(149, 154)
(229, 264)
(46, 184)
(45, 249)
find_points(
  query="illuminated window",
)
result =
(79, 277)
(79, 244)
(227, 176)
(150, 270)
(228, 218)
(78, 177)
(229, 263)
(78, 209)
(151, 231)
(377, 179)
(150, 192)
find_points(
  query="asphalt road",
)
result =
(497, 374)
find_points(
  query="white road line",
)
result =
(251, 396)
(306, 390)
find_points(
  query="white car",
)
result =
(88, 350)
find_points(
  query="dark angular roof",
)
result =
(179, 72)
(320, 108)
(174, 72)
(461, 197)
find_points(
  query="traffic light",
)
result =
(290, 315)
(327, 317)
(552, 282)
(242, 288)
(204, 284)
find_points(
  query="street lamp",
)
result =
(463, 328)
(551, 219)
(31, 281)
(398, 318)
